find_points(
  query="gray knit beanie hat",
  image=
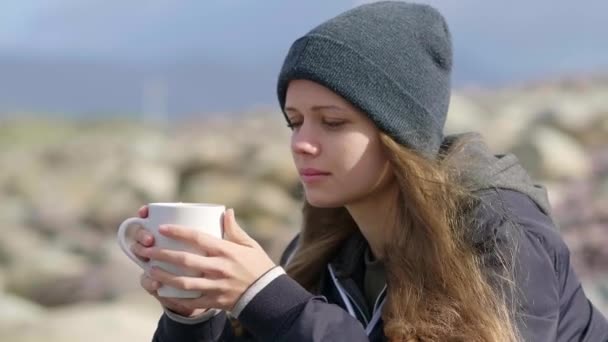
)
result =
(390, 59)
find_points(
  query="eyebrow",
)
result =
(318, 108)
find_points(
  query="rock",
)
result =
(596, 289)
(599, 157)
(573, 114)
(213, 187)
(89, 322)
(14, 210)
(115, 275)
(599, 204)
(202, 152)
(150, 146)
(464, 115)
(574, 209)
(270, 199)
(595, 253)
(248, 197)
(35, 262)
(107, 278)
(16, 311)
(78, 187)
(562, 156)
(556, 192)
(587, 246)
(273, 163)
(513, 121)
(112, 206)
(155, 182)
(272, 234)
(551, 154)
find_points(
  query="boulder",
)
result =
(562, 156)
(14, 210)
(154, 182)
(509, 124)
(273, 163)
(269, 199)
(596, 289)
(465, 115)
(16, 312)
(112, 206)
(214, 187)
(89, 322)
(552, 154)
(34, 262)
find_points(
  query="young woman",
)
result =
(407, 235)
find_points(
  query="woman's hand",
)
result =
(145, 240)
(227, 270)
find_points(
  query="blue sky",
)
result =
(495, 42)
(518, 37)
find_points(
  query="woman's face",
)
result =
(335, 147)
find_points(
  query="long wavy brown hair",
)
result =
(438, 286)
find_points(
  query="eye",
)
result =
(334, 124)
(292, 125)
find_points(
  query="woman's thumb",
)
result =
(232, 230)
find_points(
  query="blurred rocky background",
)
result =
(66, 185)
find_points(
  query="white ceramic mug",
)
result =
(205, 217)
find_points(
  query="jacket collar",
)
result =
(348, 262)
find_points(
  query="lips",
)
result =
(313, 172)
(310, 175)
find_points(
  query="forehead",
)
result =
(305, 94)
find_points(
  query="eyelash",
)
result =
(329, 124)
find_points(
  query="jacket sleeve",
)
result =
(549, 299)
(285, 311)
(281, 311)
(217, 328)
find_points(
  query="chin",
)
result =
(324, 201)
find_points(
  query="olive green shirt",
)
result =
(374, 278)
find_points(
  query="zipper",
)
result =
(358, 308)
(377, 312)
(378, 299)
(346, 297)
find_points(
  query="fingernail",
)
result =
(155, 284)
(147, 239)
(163, 228)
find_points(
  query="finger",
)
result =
(184, 259)
(205, 242)
(182, 282)
(139, 252)
(144, 237)
(233, 232)
(175, 307)
(204, 301)
(150, 285)
(143, 211)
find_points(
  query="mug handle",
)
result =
(122, 240)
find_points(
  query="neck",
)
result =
(374, 216)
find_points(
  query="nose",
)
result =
(303, 141)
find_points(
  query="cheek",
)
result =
(352, 153)
(364, 162)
